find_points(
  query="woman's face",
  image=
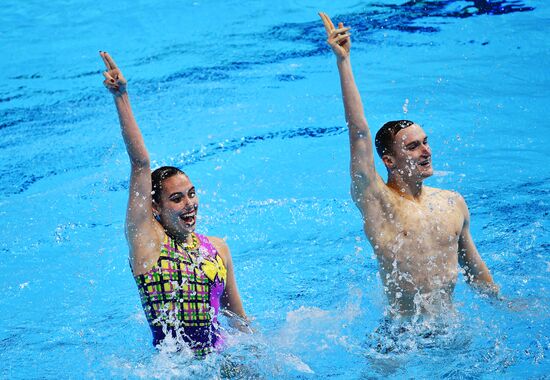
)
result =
(178, 205)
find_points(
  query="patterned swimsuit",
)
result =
(181, 294)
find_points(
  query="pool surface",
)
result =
(245, 97)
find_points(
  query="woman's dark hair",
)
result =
(158, 176)
(385, 135)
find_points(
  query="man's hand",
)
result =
(114, 80)
(338, 39)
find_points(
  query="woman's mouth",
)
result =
(189, 218)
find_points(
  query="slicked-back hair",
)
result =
(158, 176)
(386, 135)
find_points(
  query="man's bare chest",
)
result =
(431, 225)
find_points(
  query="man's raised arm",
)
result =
(363, 171)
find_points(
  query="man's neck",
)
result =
(411, 189)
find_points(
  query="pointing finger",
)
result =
(326, 22)
(102, 54)
(329, 22)
(110, 61)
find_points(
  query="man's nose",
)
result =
(426, 149)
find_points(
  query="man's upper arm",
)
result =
(365, 179)
(468, 256)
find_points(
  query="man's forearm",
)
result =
(484, 282)
(362, 159)
(478, 275)
(355, 116)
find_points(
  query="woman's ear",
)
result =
(156, 211)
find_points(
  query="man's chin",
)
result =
(427, 173)
(424, 173)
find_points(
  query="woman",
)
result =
(183, 278)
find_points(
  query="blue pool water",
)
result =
(245, 97)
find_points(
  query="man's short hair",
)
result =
(158, 176)
(386, 135)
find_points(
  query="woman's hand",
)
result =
(338, 39)
(114, 80)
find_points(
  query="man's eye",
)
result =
(192, 194)
(176, 199)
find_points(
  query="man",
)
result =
(419, 234)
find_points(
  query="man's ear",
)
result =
(388, 161)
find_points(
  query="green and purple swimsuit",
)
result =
(181, 294)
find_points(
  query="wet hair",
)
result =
(158, 176)
(386, 135)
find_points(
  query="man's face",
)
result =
(178, 206)
(412, 154)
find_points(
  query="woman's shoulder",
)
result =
(221, 247)
(218, 243)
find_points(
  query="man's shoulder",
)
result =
(450, 197)
(434, 191)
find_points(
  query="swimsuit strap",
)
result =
(207, 245)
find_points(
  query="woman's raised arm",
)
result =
(141, 229)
